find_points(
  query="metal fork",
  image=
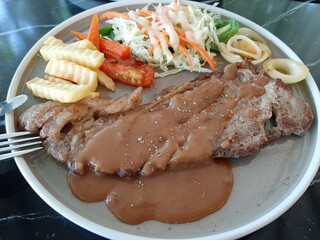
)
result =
(20, 142)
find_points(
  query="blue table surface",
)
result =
(24, 215)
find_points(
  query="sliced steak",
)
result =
(220, 115)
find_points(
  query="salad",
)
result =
(174, 37)
(171, 37)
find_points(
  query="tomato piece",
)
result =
(129, 71)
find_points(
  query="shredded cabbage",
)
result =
(157, 41)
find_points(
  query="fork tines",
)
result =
(20, 142)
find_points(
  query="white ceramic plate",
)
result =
(266, 185)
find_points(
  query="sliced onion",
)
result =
(289, 71)
(232, 47)
(252, 35)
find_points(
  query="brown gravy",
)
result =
(154, 139)
(171, 138)
(178, 196)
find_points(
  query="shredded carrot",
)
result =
(113, 15)
(108, 47)
(93, 34)
(151, 50)
(144, 13)
(116, 14)
(210, 60)
(183, 49)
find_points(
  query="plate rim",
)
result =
(98, 229)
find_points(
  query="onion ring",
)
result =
(287, 70)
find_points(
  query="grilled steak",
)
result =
(220, 115)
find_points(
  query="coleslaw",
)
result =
(170, 37)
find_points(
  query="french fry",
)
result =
(93, 94)
(86, 57)
(64, 81)
(73, 72)
(56, 79)
(105, 80)
(52, 41)
(65, 93)
(83, 44)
